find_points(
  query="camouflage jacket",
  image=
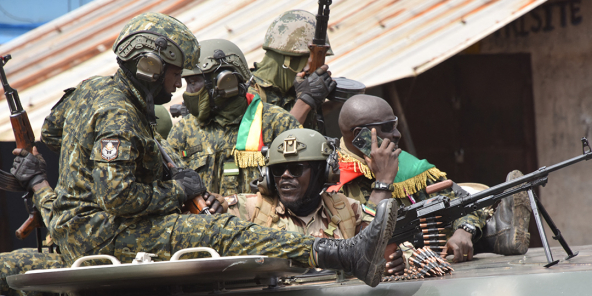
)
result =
(208, 148)
(361, 187)
(110, 166)
(273, 95)
(51, 132)
(317, 224)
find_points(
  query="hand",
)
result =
(216, 203)
(28, 168)
(315, 88)
(395, 264)
(194, 83)
(190, 181)
(461, 245)
(384, 160)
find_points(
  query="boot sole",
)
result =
(375, 271)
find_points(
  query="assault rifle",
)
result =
(445, 210)
(25, 139)
(318, 50)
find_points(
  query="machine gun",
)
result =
(25, 139)
(441, 209)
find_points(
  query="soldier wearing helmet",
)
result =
(212, 138)
(301, 164)
(118, 203)
(286, 54)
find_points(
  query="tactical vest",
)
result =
(338, 206)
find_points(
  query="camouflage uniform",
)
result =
(23, 260)
(319, 225)
(209, 146)
(360, 189)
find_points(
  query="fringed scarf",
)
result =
(247, 152)
(412, 175)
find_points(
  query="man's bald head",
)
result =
(363, 109)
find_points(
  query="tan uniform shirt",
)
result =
(317, 224)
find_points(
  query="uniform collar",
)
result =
(130, 91)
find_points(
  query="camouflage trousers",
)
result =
(23, 260)
(228, 235)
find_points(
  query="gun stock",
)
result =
(34, 221)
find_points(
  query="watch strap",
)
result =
(377, 185)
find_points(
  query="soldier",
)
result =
(506, 233)
(293, 197)
(222, 136)
(23, 260)
(110, 197)
(286, 54)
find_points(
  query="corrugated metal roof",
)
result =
(375, 41)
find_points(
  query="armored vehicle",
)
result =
(487, 274)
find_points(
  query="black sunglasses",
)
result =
(295, 169)
(385, 126)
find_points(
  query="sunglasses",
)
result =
(295, 169)
(385, 126)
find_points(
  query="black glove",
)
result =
(315, 88)
(190, 181)
(29, 169)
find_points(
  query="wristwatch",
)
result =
(383, 186)
(468, 228)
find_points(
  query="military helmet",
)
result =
(298, 145)
(159, 34)
(291, 33)
(220, 53)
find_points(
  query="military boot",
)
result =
(506, 232)
(363, 254)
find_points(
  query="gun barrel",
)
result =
(542, 172)
(320, 36)
(14, 103)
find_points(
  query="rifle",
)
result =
(446, 210)
(318, 50)
(25, 139)
(196, 205)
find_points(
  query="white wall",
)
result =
(558, 35)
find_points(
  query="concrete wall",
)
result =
(558, 35)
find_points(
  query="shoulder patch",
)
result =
(231, 200)
(109, 149)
